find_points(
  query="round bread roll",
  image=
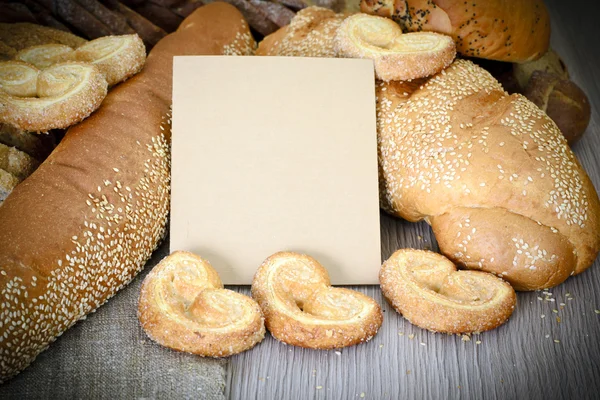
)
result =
(563, 101)
(549, 62)
(504, 30)
(494, 177)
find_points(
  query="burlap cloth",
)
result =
(108, 356)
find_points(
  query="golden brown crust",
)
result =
(183, 306)
(18, 163)
(396, 56)
(302, 309)
(22, 35)
(102, 198)
(67, 94)
(562, 100)
(76, 90)
(461, 142)
(504, 30)
(7, 183)
(427, 290)
(18, 78)
(117, 57)
(309, 34)
(44, 55)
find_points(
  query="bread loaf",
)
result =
(493, 176)
(563, 101)
(83, 225)
(505, 30)
(310, 34)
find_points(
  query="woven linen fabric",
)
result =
(108, 356)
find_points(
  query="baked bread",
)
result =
(102, 198)
(493, 176)
(550, 62)
(562, 100)
(16, 162)
(7, 183)
(37, 146)
(428, 291)
(16, 37)
(310, 34)
(504, 30)
(301, 307)
(184, 306)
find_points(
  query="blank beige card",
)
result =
(272, 154)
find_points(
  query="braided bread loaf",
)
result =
(493, 176)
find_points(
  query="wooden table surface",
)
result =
(529, 357)
(532, 356)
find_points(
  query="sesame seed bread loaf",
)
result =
(504, 30)
(83, 225)
(492, 174)
(310, 34)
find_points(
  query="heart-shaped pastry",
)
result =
(183, 306)
(67, 93)
(397, 56)
(426, 288)
(301, 307)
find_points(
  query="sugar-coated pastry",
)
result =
(427, 290)
(301, 308)
(396, 56)
(18, 78)
(67, 93)
(183, 306)
(117, 57)
(44, 55)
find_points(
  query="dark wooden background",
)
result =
(530, 357)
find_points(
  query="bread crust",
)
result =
(428, 291)
(310, 34)
(84, 224)
(461, 142)
(183, 306)
(301, 308)
(504, 30)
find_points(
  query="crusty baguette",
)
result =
(83, 225)
(505, 30)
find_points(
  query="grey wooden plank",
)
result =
(518, 360)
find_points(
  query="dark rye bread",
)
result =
(83, 225)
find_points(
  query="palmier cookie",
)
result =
(301, 308)
(396, 56)
(183, 306)
(117, 57)
(66, 93)
(426, 288)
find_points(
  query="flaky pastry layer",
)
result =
(396, 56)
(183, 306)
(301, 308)
(426, 288)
